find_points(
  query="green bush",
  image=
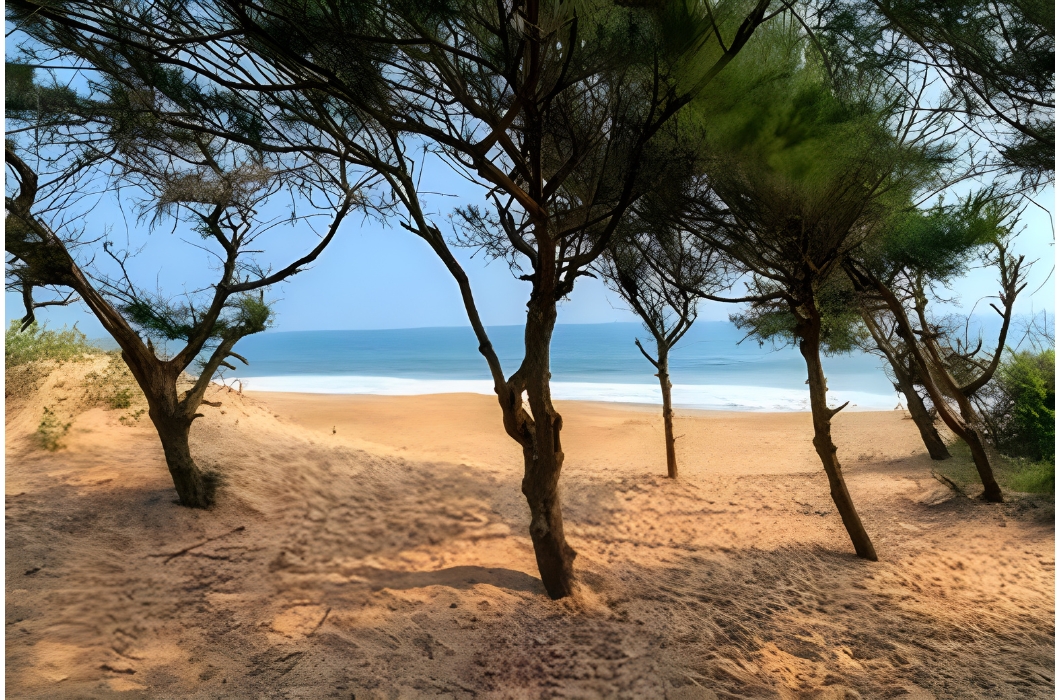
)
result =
(1019, 408)
(112, 386)
(37, 343)
(51, 431)
(1032, 477)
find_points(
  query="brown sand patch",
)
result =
(390, 559)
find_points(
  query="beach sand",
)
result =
(377, 547)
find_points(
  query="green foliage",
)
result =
(252, 314)
(113, 386)
(132, 417)
(37, 344)
(1032, 477)
(842, 330)
(1001, 59)
(1021, 413)
(160, 318)
(774, 121)
(51, 431)
(1014, 474)
(23, 96)
(997, 60)
(942, 241)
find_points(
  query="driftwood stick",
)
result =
(319, 624)
(171, 556)
(949, 482)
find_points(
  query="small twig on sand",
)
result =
(326, 613)
(174, 555)
(949, 482)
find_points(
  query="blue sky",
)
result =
(376, 276)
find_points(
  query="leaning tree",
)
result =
(122, 138)
(898, 274)
(801, 171)
(901, 365)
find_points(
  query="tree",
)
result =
(552, 108)
(662, 275)
(923, 249)
(216, 186)
(903, 368)
(799, 174)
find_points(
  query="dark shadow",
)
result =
(458, 577)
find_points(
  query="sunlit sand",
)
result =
(376, 547)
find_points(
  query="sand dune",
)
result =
(370, 547)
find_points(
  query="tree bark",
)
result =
(543, 454)
(904, 375)
(194, 488)
(921, 417)
(956, 423)
(808, 330)
(668, 412)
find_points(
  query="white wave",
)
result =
(705, 396)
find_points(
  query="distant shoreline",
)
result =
(710, 397)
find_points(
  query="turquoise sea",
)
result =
(710, 368)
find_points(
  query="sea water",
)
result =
(710, 368)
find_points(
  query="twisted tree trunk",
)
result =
(542, 452)
(195, 489)
(808, 331)
(172, 419)
(961, 428)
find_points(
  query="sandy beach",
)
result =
(376, 547)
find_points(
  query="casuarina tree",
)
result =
(218, 188)
(897, 274)
(662, 275)
(798, 174)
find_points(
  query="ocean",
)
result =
(710, 368)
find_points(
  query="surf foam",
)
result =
(704, 396)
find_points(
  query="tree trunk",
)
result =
(965, 429)
(924, 422)
(808, 330)
(194, 488)
(960, 427)
(543, 455)
(668, 412)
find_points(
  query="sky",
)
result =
(376, 276)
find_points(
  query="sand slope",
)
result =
(375, 547)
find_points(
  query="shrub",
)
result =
(37, 343)
(51, 431)
(1032, 477)
(1015, 474)
(113, 386)
(1019, 407)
